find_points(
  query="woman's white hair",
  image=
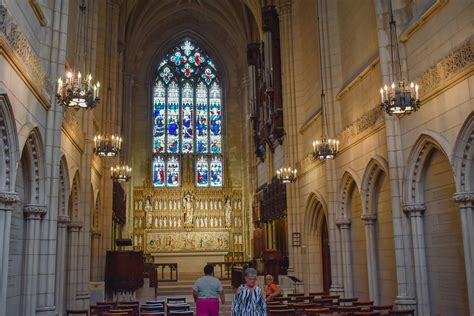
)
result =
(250, 272)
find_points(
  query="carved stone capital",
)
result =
(284, 8)
(463, 197)
(63, 220)
(343, 223)
(95, 233)
(414, 210)
(8, 197)
(34, 211)
(369, 219)
(74, 226)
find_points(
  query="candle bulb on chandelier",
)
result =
(60, 85)
(79, 81)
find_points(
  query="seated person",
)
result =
(271, 288)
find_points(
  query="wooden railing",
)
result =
(167, 272)
(223, 270)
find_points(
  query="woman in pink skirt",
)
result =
(206, 292)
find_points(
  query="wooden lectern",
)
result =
(123, 272)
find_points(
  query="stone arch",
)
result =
(462, 156)
(348, 185)
(315, 208)
(9, 152)
(417, 160)
(95, 222)
(376, 167)
(63, 186)
(315, 219)
(73, 204)
(33, 162)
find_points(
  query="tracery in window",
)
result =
(187, 118)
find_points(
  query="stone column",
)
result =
(344, 229)
(61, 261)
(466, 206)
(7, 199)
(95, 244)
(370, 240)
(415, 212)
(72, 284)
(33, 214)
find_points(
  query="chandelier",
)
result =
(326, 148)
(107, 146)
(76, 91)
(400, 97)
(121, 173)
(286, 175)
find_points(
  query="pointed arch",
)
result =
(376, 167)
(348, 185)
(462, 156)
(73, 204)
(424, 147)
(316, 210)
(33, 161)
(187, 117)
(63, 186)
(9, 152)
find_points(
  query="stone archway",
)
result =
(436, 231)
(316, 241)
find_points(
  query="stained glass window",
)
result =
(187, 117)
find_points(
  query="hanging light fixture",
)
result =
(286, 175)
(326, 148)
(107, 146)
(398, 98)
(120, 173)
(75, 90)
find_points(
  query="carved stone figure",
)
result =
(149, 213)
(188, 209)
(228, 212)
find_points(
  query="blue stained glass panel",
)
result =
(187, 119)
(216, 172)
(159, 118)
(173, 118)
(172, 172)
(215, 119)
(201, 119)
(202, 172)
(158, 172)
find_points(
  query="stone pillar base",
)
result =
(405, 302)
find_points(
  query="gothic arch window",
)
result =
(187, 118)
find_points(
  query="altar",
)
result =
(189, 226)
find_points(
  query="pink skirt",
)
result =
(207, 307)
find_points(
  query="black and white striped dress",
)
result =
(249, 302)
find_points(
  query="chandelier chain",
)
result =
(323, 96)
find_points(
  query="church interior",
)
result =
(328, 143)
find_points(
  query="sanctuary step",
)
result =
(182, 289)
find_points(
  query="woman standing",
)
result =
(206, 292)
(249, 299)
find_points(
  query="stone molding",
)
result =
(9, 197)
(64, 220)
(343, 223)
(414, 210)
(26, 56)
(362, 124)
(95, 233)
(449, 70)
(369, 219)
(463, 197)
(74, 226)
(72, 129)
(34, 211)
